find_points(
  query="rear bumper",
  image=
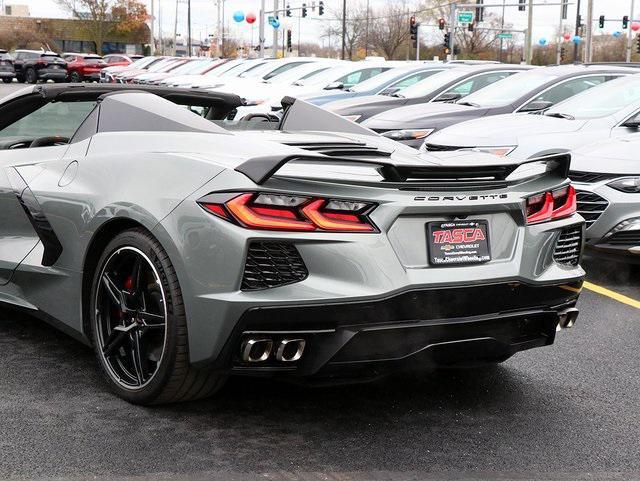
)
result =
(52, 74)
(413, 330)
(7, 74)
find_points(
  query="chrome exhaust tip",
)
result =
(256, 350)
(567, 318)
(290, 350)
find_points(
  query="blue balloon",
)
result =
(238, 16)
(617, 34)
(276, 23)
(576, 39)
(542, 41)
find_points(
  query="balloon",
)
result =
(238, 16)
(617, 34)
(576, 39)
(567, 36)
(542, 41)
(635, 26)
(250, 18)
(275, 24)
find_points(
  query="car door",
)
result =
(18, 61)
(23, 225)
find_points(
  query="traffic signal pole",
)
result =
(630, 33)
(452, 30)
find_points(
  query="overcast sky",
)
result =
(204, 15)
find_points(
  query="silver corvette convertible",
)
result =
(185, 248)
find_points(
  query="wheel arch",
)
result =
(102, 236)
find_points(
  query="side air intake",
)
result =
(569, 246)
(272, 264)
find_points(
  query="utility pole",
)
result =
(219, 29)
(344, 28)
(261, 26)
(502, 27)
(366, 33)
(529, 56)
(577, 31)
(152, 42)
(175, 29)
(452, 30)
(276, 33)
(559, 41)
(630, 32)
(589, 36)
(188, 28)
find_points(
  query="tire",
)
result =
(173, 379)
(7, 80)
(30, 76)
(75, 77)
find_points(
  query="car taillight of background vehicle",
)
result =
(552, 205)
(265, 211)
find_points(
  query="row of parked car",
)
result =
(591, 111)
(32, 66)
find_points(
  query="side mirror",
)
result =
(448, 97)
(536, 106)
(335, 86)
(632, 122)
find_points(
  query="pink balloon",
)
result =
(567, 36)
(635, 26)
(250, 18)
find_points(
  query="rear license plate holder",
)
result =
(458, 242)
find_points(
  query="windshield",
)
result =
(191, 67)
(430, 84)
(380, 80)
(600, 101)
(509, 90)
(326, 76)
(297, 73)
(257, 70)
(232, 67)
(161, 64)
(143, 62)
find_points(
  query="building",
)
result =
(70, 35)
(15, 10)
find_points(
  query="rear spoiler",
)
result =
(261, 169)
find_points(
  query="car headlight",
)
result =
(630, 185)
(251, 103)
(500, 151)
(408, 134)
(353, 118)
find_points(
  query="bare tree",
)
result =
(96, 14)
(390, 28)
(355, 32)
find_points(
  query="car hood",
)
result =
(614, 156)
(422, 115)
(504, 129)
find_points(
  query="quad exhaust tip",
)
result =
(567, 318)
(256, 350)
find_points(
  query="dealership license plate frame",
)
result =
(436, 253)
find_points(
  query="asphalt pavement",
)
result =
(570, 411)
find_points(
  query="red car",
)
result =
(84, 66)
(119, 59)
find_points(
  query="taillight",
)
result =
(284, 212)
(552, 205)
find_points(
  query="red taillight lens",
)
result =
(551, 205)
(290, 212)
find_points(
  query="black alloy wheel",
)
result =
(139, 325)
(31, 76)
(7, 80)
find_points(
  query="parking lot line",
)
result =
(612, 294)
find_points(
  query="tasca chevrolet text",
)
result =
(319, 251)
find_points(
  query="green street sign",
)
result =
(505, 35)
(465, 17)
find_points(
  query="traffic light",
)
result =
(470, 26)
(289, 48)
(288, 10)
(562, 52)
(522, 5)
(441, 24)
(601, 21)
(413, 28)
(446, 39)
(321, 8)
(625, 21)
(304, 10)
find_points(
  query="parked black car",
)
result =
(7, 72)
(447, 86)
(532, 91)
(34, 65)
